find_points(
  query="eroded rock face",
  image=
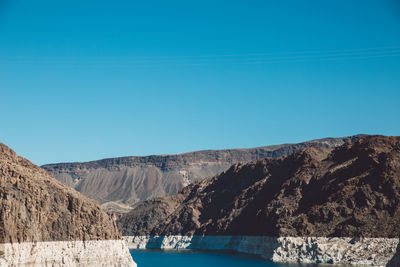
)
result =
(308, 250)
(36, 207)
(99, 253)
(120, 183)
(349, 191)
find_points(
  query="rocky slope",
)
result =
(352, 191)
(36, 208)
(317, 205)
(120, 183)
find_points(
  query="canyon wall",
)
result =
(119, 184)
(43, 221)
(307, 250)
(339, 205)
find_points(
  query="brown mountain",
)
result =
(120, 183)
(352, 190)
(36, 207)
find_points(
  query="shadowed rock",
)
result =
(395, 261)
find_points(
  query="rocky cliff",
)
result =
(120, 183)
(35, 208)
(352, 190)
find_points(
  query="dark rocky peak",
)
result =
(353, 190)
(368, 146)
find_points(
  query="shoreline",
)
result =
(66, 253)
(307, 250)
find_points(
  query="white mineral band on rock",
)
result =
(338, 250)
(66, 253)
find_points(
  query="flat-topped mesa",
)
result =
(349, 191)
(121, 183)
(38, 211)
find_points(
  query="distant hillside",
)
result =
(120, 183)
(349, 191)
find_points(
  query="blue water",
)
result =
(157, 258)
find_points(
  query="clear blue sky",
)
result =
(84, 80)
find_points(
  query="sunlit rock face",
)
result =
(40, 216)
(67, 253)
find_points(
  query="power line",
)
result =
(280, 57)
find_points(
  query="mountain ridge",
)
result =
(160, 156)
(348, 191)
(121, 183)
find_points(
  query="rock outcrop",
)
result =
(349, 191)
(120, 183)
(336, 250)
(37, 209)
